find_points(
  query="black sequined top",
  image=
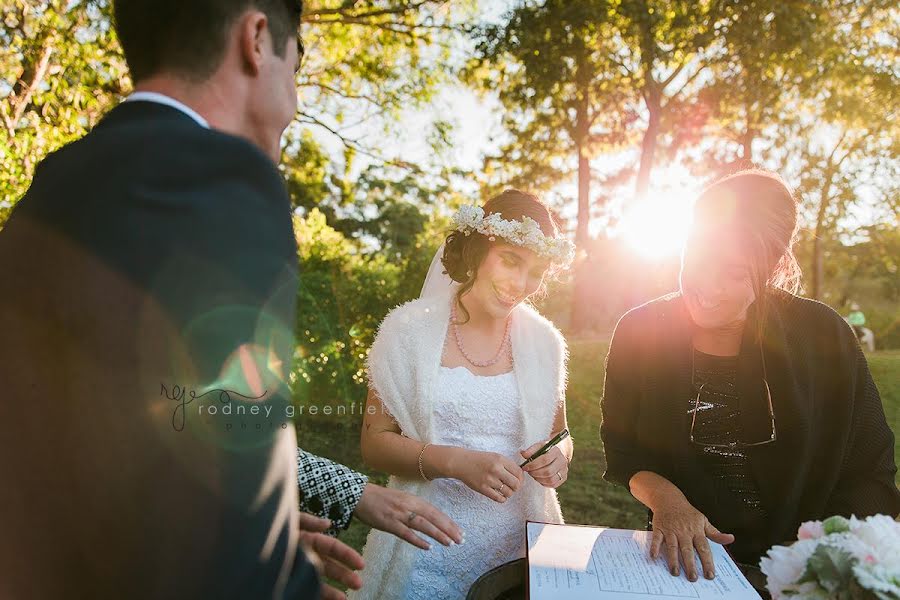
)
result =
(718, 422)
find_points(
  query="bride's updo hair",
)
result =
(463, 254)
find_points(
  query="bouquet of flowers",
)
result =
(841, 559)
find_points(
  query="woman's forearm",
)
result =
(653, 490)
(396, 454)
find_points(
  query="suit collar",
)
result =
(147, 96)
(139, 110)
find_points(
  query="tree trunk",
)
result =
(831, 169)
(818, 270)
(653, 99)
(818, 257)
(581, 293)
(749, 134)
(582, 233)
(648, 144)
(747, 147)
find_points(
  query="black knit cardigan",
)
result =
(834, 452)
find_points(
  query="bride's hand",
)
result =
(550, 470)
(490, 474)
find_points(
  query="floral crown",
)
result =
(525, 233)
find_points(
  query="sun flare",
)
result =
(657, 226)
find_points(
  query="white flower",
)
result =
(872, 545)
(525, 233)
(468, 217)
(811, 530)
(858, 549)
(784, 565)
(882, 534)
(877, 579)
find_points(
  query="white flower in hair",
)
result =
(525, 233)
(467, 218)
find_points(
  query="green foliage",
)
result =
(865, 272)
(307, 171)
(836, 524)
(888, 336)
(713, 85)
(61, 69)
(603, 73)
(369, 62)
(59, 72)
(342, 296)
(832, 570)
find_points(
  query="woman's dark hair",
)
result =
(463, 254)
(189, 37)
(758, 207)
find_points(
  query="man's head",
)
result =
(244, 53)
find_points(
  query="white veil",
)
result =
(437, 282)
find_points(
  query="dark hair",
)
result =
(463, 254)
(760, 209)
(189, 37)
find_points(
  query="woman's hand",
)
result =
(331, 557)
(550, 470)
(403, 514)
(681, 529)
(488, 473)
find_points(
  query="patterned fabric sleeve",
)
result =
(328, 489)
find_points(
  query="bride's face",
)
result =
(507, 276)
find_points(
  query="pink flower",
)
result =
(811, 530)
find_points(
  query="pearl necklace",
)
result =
(503, 344)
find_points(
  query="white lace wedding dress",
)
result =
(478, 413)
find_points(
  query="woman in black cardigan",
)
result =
(734, 409)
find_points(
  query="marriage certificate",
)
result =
(571, 562)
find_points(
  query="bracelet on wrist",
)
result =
(421, 470)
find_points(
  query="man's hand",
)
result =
(400, 513)
(333, 558)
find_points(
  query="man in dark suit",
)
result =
(147, 285)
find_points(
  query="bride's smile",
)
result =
(508, 300)
(507, 277)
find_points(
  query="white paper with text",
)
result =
(567, 562)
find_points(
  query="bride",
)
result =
(465, 383)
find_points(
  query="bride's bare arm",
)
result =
(385, 448)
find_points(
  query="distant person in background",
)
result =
(734, 409)
(857, 320)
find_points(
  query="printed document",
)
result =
(574, 562)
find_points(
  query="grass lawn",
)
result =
(585, 497)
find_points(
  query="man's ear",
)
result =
(253, 32)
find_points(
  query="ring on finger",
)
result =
(412, 515)
(500, 489)
(558, 475)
